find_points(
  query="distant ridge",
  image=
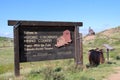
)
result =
(5, 38)
(113, 33)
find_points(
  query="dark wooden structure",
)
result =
(37, 40)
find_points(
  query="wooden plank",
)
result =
(43, 23)
(75, 54)
(16, 52)
(108, 46)
(81, 48)
(78, 46)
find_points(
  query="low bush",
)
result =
(118, 57)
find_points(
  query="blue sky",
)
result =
(97, 14)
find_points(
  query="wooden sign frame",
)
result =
(45, 40)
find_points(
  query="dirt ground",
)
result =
(115, 75)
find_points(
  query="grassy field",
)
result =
(52, 70)
(60, 69)
(6, 42)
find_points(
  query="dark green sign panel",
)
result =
(45, 43)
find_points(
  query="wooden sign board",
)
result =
(43, 40)
(39, 43)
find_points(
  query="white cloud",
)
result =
(6, 34)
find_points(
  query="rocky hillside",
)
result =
(110, 37)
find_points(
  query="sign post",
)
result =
(45, 40)
(16, 51)
(108, 48)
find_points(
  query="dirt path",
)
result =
(115, 75)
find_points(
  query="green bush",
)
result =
(58, 69)
(118, 57)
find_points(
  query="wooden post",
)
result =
(16, 52)
(78, 47)
(81, 49)
(107, 52)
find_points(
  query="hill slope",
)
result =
(110, 36)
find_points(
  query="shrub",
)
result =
(118, 57)
(58, 69)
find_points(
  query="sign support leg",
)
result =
(16, 52)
